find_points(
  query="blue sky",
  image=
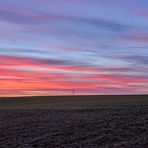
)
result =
(48, 47)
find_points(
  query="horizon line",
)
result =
(72, 95)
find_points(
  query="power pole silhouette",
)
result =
(73, 91)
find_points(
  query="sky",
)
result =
(49, 47)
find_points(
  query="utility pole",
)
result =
(73, 91)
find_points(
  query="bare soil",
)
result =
(105, 127)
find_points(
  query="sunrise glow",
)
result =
(49, 47)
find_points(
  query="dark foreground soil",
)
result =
(125, 126)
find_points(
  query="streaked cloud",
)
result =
(94, 46)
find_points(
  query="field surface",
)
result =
(100, 123)
(61, 102)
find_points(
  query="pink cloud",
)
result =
(14, 79)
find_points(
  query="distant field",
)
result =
(71, 101)
(74, 122)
